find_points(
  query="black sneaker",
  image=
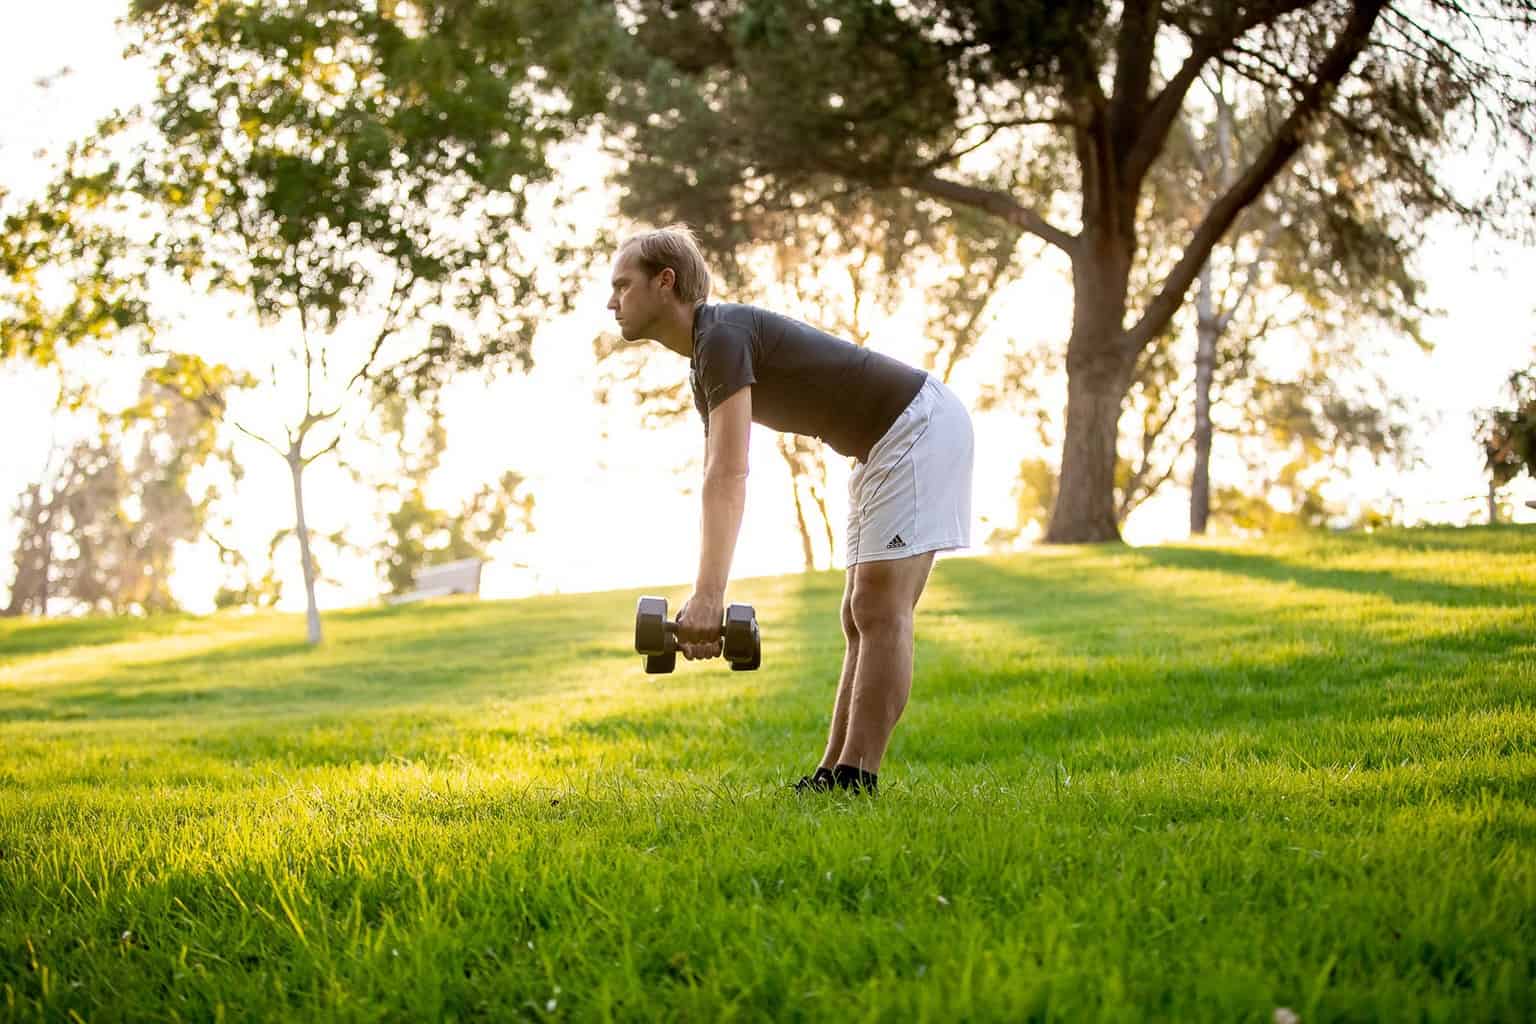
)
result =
(819, 781)
(855, 780)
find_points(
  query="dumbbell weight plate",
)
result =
(660, 664)
(651, 626)
(752, 663)
(740, 625)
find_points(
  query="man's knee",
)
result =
(850, 627)
(877, 608)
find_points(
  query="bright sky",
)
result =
(617, 504)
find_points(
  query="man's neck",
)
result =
(676, 329)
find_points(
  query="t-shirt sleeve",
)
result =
(724, 359)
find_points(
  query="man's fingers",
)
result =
(696, 652)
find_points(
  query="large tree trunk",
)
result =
(296, 468)
(1099, 369)
(1207, 330)
(1085, 502)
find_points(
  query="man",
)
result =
(909, 496)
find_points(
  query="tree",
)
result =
(811, 97)
(1507, 436)
(329, 162)
(101, 527)
(420, 534)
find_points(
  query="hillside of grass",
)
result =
(1181, 783)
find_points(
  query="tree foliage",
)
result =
(784, 101)
(315, 156)
(68, 273)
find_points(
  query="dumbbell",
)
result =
(656, 636)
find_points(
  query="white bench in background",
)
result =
(461, 577)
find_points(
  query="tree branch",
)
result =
(1134, 47)
(1270, 161)
(1249, 277)
(1134, 494)
(1161, 113)
(252, 434)
(949, 156)
(999, 205)
(323, 452)
(314, 419)
(403, 281)
(309, 365)
(1158, 116)
(1131, 502)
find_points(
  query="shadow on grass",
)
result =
(1118, 676)
(1375, 583)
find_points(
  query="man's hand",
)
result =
(698, 625)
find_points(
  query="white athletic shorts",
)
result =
(913, 495)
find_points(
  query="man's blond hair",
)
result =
(673, 247)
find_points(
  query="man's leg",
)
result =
(883, 604)
(844, 700)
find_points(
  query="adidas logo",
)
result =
(896, 542)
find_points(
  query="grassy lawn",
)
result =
(1177, 783)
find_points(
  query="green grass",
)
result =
(1176, 783)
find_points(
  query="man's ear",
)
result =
(667, 278)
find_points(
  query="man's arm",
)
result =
(725, 499)
(725, 489)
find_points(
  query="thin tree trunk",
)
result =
(787, 448)
(806, 551)
(820, 498)
(296, 468)
(1207, 330)
(1493, 504)
(46, 569)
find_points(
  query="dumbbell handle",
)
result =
(671, 627)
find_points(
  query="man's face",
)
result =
(636, 300)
